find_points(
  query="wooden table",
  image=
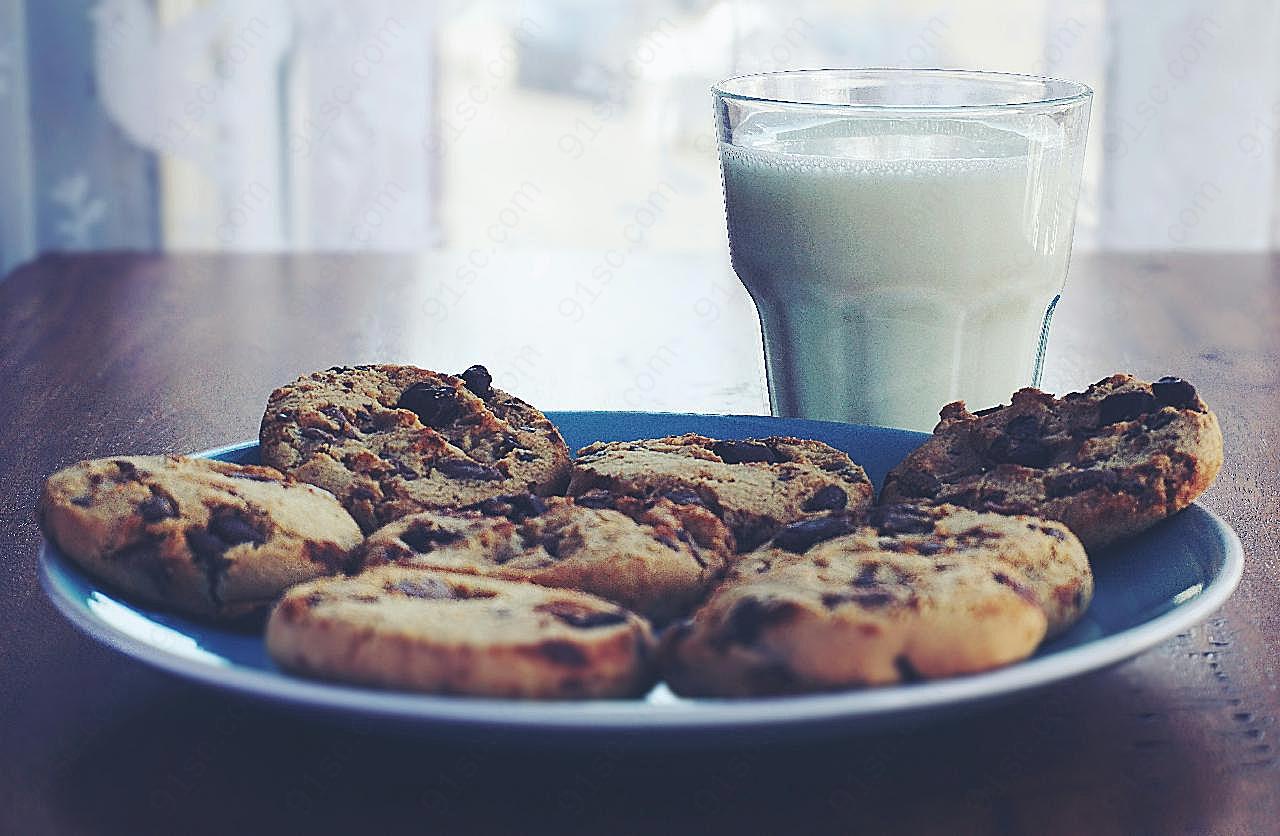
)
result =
(114, 353)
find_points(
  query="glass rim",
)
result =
(1080, 92)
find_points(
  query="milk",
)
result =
(887, 284)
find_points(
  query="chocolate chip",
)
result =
(750, 615)
(334, 414)
(741, 452)
(363, 493)
(1071, 483)
(316, 434)
(126, 470)
(231, 527)
(157, 507)
(905, 669)
(1125, 406)
(1022, 591)
(830, 498)
(1159, 420)
(207, 549)
(866, 576)
(550, 542)
(988, 411)
(1134, 485)
(577, 615)
(901, 519)
(832, 600)
(800, 536)
(1023, 428)
(918, 484)
(1174, 391)
(468, 469)
(405, 472)
(505, 446)
(479, 381)
(753, 531)
(1055, 533)
(683, 496)
(85, 501)
(145, 555)
(431, 589)
(1022, 443)
(669, 542)
(596, 498)
(563, 653)
(331, 556)
(424, 538)
(515, 507)
(1028, 454)
(435, 406)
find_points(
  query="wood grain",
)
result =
(123, 352)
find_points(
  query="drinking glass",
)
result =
(904, 233)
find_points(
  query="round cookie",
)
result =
(451, 633)
(755, 485)
(199, 536)
(390, 440)
(1109, 462)
(657, 559)
(918, 592)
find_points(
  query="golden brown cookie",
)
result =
(199, 536)
(658, 559)
(1109, 462)
(916, 592)
(451, 633)
(390, 440)
(755, 485)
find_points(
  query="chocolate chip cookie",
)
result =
(1109, 462)
(451, 633)
(390, 440)
(203, 537)
(916, 592)
(755, 485)
(657, 558)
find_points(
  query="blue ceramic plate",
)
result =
(1147, 590)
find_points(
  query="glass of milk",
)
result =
(904, 233)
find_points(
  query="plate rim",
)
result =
(600, 716)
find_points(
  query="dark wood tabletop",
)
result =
(125, 353)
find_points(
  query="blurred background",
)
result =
(551, 164)
(387, 125)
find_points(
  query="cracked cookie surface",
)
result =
(755, 485)
(390, 440)
(452, 633)
(1109, 462)
(203, 537)
(908, 592)
(657, 558)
